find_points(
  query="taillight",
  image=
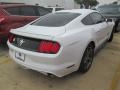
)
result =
(2, 19)
(48, 47)
(11, 38)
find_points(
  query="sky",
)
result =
(106, 1)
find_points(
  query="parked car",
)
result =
(17, 15)
(60, 43)
(111, 11)
(54, 9)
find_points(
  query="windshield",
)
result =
(109, 9)
(56, 19)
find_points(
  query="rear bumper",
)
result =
(50, 64)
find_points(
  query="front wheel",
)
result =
(87, 59)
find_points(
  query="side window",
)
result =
(43, 11)
(50, 9)
(13, 10)
(58, 9)
(88, 20)
(97, 18)
(28, 11)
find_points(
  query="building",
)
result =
(118, 1)
(68, 4)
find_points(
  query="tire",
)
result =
(117, 29)
(111, 36)
(87, 59)
(117, 26)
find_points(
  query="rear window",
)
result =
(56, 19)
(88, 20)
(28, 11)
(13, 10)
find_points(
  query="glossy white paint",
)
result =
(73, 38)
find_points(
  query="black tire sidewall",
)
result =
(82, 66)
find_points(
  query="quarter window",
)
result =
(93, 18)
(88, 20)
(97, 18)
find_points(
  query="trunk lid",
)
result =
(39, 32)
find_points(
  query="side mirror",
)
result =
(109, 20)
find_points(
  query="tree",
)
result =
(87, 3)
(115, 2)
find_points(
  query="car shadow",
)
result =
(3, 46)
(100, 48)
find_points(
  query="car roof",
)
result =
(13, 5)
(81, 11)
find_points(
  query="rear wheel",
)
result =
(117, 23)
(87, 59)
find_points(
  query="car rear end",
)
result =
(3, 20)
(41, 45)
(40, 52)
(12, 18)
(35, 54)
(7, 22)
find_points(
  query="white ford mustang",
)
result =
(60, 43)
